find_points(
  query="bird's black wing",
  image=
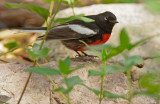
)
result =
(73, 30)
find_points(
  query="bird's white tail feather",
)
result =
(11, 32)
(30, 31)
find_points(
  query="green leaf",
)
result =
(112, 96)
(44, 71)
(144, 93)
(115, 51)
(68, 61)
(131, 61)
(151, 81)
(63, 90)
(36, 47)
(31, 54)
(34, 8)
(131, 46)
(124, 39)
(43, 52)
(77, 17)
(94, 73)
(114, 69)
(12, 44)
(97, 92)
(35, 53)
(64, 68)
(71, 82)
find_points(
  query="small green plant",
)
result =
(105, 70)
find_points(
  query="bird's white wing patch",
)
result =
(78, 28)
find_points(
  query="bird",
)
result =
(70, 33)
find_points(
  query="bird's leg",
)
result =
(85, 54)
(78, 54)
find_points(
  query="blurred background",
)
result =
(22, 18)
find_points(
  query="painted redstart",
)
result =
(92, 33)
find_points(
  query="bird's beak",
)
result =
(113, 21)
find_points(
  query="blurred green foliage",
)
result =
(34, 8)
(153, 5)
(119, 1)
(12, 44)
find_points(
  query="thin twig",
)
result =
(26, 84)
(24, 89)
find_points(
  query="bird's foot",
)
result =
(84, 55)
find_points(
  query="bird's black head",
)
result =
(106, 21)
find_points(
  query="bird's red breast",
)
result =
(97, 42)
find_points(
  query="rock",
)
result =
(12, 80)
(39, 90)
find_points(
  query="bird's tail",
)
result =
(9, 32)
(23, 29)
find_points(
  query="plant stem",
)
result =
(50, 24)
(55, 86)
(72, 6)
(129, 85)
(73, 11)
(101, 90)
(59, 91)
(50, 11)
(26, 84)
(53, 17)
(102, 81)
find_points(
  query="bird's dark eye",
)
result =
(105, 18)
